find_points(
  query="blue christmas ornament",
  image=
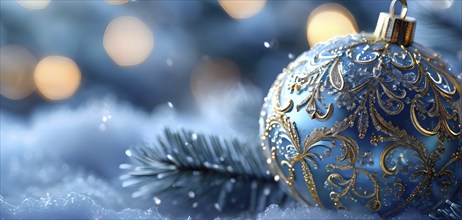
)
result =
(367, 120)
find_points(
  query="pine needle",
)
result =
(202, 175)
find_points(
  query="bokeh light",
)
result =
(128, 41)
(240, 9)
(16, 72)
(57, 77)
(327, 21)
(34, 4)
(116, 2)
(212, 78)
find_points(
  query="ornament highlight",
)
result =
(367, 120)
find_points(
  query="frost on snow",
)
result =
(301, 212)
(71, 206)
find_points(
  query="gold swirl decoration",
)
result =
(396, 81)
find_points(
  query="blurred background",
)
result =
(83, 80)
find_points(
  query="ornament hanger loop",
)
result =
(403, 10)
(396, 29)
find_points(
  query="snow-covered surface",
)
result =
(71, 206)
(275, 212)
(79, 206)
(67, 154)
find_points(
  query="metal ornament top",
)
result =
(396, 29)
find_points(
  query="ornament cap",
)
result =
(396, 29)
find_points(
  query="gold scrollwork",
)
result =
(289, 129)
(335, 179)
(376, 94)
(336, 76)
(438, 109)
(276, 96)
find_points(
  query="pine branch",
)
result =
(207, 176)
(449, 211)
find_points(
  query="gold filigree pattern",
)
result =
(290, 133)
(374, 84)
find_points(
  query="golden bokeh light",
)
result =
(128, 41)
(241, 9)
(116, 2)
(211, 78)
(57, 77)
(16, 72)
(34, 4)
(327, 21)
